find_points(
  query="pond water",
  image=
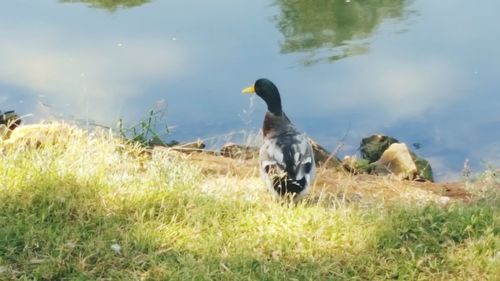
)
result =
(425, 72)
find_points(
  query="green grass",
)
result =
(67, 204)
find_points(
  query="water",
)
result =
(425, 72)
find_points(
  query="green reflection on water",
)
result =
(329, 30)
(111, 5)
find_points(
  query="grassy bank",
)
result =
(85, 206)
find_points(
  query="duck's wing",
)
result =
(287, 159)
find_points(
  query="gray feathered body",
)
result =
(286, 157)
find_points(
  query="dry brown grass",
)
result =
(222, 172)
(331, 183)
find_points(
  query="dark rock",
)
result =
(236, 151)
(173, 143)
(356, 166)
(372, 147)
(383, 155)
(156, 141)
(424, 169)
(10, 119)
(323, 157)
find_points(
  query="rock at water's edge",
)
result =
(372, 147)
(396, 160)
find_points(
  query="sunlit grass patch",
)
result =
(85, 205)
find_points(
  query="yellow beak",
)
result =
(249, 90)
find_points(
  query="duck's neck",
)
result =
(275, 124)
(273, 101)
(275, 108)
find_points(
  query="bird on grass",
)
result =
(286, 156)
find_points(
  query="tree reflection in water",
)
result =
(111, 5)
(329, 30)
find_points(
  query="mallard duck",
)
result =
(286, 156)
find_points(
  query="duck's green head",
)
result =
(268, 92)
